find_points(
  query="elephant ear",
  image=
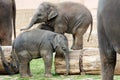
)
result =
(55, 41)
(53, 13)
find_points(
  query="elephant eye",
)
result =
(64, 48)
(39, 14)
(11, 57)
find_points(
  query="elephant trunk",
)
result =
(7, 65)
(65, 55)
(32, 22)
(67, 63)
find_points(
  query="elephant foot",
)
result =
(30, 75)
(76, 47)
(66, 74)
(26, 76)
(48, 75)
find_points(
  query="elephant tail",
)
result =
(90, 29)
(80, 23)
(14, 16)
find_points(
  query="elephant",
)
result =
(108, 28)
(7, 21)
(11, 67)
(37, 43)
(66, 17)
(45, 27)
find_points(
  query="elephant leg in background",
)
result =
(47, 58)
(78, 38)
(6, 39)
(24, 66)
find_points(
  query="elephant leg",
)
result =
(77, 44)
(23, 69)
(28, 70)
(78, 38)
(24, 66)
(108, 60)
(107, 53)
(47, 57)
(6, 40)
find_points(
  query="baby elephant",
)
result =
(38, 43)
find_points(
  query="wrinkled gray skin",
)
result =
(108, 35)
(11, 67)
(66, 17)
(38, 43)
(7, 21)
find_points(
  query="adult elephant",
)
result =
(66, 17)
(7, 20)
(108, 35)
(11, 65)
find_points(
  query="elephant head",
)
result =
(45, 12)
(60, 44)
(10, 67)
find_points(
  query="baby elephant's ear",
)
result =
(53, 13)
(54, 41)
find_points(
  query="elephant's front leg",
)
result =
(23, 69)
(47, 57)
(28, 70)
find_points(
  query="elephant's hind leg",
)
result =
(77, 42)
(78, 38)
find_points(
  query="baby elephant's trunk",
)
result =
(67, 63)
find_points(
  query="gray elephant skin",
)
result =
(7, 21)
(108, 36)
(65, 17)
(11, 67)
(38, 43)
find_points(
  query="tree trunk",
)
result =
(60, 66)
(83, 61)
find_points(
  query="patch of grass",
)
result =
(37, 69)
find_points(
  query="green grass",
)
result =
(37, 69)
